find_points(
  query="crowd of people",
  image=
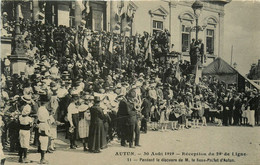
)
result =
(102, 85)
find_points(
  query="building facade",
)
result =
(133, 17)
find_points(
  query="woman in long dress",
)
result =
(97, 135)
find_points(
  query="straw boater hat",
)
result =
(27, 98)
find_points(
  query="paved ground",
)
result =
(205, 145)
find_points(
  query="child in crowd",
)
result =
(155, 116)
(202, 113)
(182, 118)
(244, 112)
(44, 131)
(219, 115)
(164, 116)
(196, 110)
(172, 118)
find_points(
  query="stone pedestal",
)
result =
(18, 63)
(18, 57)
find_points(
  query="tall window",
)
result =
(72, 14)
(185, 38)
(210, 41)
(157, 26)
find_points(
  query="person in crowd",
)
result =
(182, 118)
(253, 107)
(44, 125)
(237, 110)
(225, 111)
(244, 112)
(146, 109)
(122, 114)
(97, 139)
(2, 156)
(73, 118)
(25, 123)
(196, 109)
(164, 118)
(230, 106)
(172, 116)
(155, 116)
(84, 121)
(131, 120)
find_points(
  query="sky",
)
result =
(242, 30)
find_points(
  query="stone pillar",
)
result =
(172, 6)
(78, 12)
(18, 58)
(221, 34)
(175, 27)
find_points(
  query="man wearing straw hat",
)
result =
(44, 128)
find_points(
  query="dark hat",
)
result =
(131, 94)
(96, 99)
(52, 84)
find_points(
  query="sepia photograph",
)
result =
(128, 82)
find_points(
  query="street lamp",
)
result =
(197, 8)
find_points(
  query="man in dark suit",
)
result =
(192, 52)
(146, 109)
(230, 105)
(131, 121)
(122, 114)
(237, 110)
